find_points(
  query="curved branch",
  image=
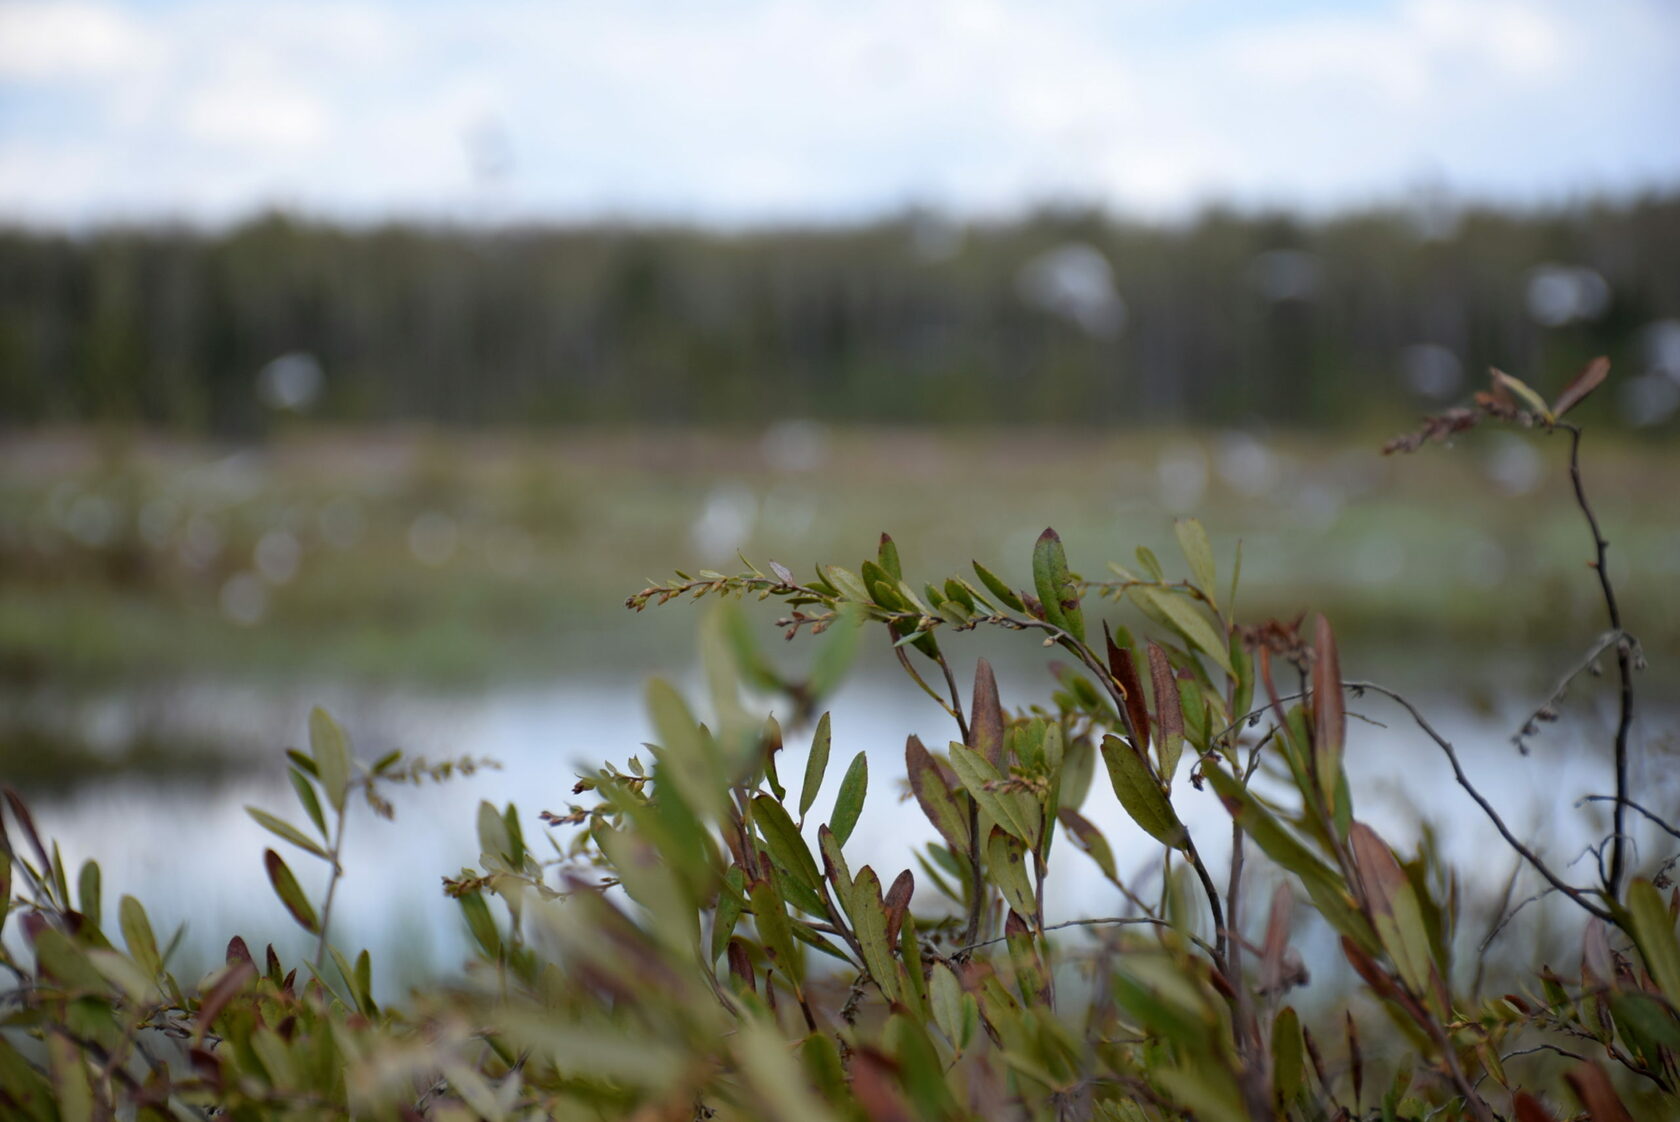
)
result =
(1526, 853)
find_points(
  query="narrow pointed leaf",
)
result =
(815, 765)
(848, 804)
(1124, 668)
(985, 721)
(286, 887)
(285, 830)
(771, 918)
(934, 795)
(1184, 617)
(1329, 714)
(1584, 383)
(995, 585)
(1169, 712)
(308, 800)
(787, 848)
(1091, 840)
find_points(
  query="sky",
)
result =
(749, 111)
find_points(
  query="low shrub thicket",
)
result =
(692, 945)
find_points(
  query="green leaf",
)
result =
(1288, 1051)
(886, 555)
(848, 804)
(870, 925)
(1056, 590)
(493, 838)
(731, 902)
(771, 918)
(1184, 617)
(72, 1085)
(307, 798)
(1150, 564)
(1006, 866)
(331, 751)
(65, 962)
(137, 935)
(286, 887)
(1141, 795)
(476, 911)
(1016, 811)
(945, 995)
(1198, 551)
(1517, 386)
(883, 590)
(288, 832)
(847, 583)
(121, 972)
(787, 848)
(1004, 594)
(834, 866)
(815, 765)
(1653, 930)
(87, 892)
(692, 766)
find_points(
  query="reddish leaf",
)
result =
(934, 794)
(740, 964)
(898, 903)
(1124, 669)
(237, 977)
(1277, 939)
(1379, 873)
(985, 718)
(237, 951)
(1169, 715)
(875, 1085)
(1329, 717)
(1593, 1088)
(21, 813)
(1585, 383)
(1528, 1109)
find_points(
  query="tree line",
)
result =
(1060, 317)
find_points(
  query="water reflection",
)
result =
(186, 846)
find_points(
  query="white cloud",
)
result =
(47, 42)
(807, 109)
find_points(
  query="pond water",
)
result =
(186, 847)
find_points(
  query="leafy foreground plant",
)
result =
(694, 949)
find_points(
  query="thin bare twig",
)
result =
(1547, 710)
(1661, 823)
(1624, 662)
(1445, 745)
(1096, 921)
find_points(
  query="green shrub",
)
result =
(689, 944)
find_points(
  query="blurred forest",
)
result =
(1066, 317)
